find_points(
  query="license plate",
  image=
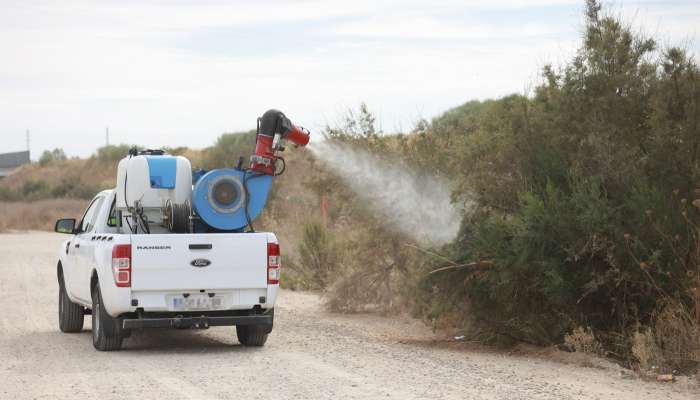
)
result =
(196, 303)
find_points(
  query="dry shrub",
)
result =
(347, 265)
(373, 274)
(318, 257)
(89, 172)
(362, 286)
(671, 343)
(38, 215)
(359, 289)
(291, 204)
(348, 294)
(583, 340)
(646, 351)
(677, 335)
(196, 157)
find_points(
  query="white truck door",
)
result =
(84, 250)
(70, 267)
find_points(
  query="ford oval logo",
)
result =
(200, 262)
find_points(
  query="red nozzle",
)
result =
(298, 136)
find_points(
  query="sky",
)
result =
(180, 73)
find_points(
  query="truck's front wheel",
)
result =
(107, 334)
(70, 315)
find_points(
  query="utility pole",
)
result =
(107, 136)
(28, 142)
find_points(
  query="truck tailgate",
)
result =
(199, 261)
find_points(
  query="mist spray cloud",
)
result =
(410, 202)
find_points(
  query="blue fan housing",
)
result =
(219, 197)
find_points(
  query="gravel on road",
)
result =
(311, 354)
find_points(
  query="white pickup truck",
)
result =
(192, 280)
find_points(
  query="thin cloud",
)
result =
(421, 27)
(164, 73)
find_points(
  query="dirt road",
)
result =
(311, 354)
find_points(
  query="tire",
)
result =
(107, 334)
(71, 316)
(251, 335)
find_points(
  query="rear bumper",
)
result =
(198, 321)
(125, 301)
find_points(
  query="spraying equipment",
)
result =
(155, 190)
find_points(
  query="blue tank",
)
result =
(219, 197)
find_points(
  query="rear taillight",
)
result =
(121, 265)
(273, 264)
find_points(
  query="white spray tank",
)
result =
(149, 184)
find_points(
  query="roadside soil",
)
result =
(311, 354)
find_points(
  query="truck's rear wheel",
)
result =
(107, 334)
(70, 315)
(251, 335)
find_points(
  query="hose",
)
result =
(284, 166)
(144, 221)
(247, 196)
(179, 218)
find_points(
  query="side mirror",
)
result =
(66, 225)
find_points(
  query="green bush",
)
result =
(176, 151)
(111, 153)
(7, 194)
(73, 188)
(583, 194)
(49, 156)
(34, 190)
(229, 147)
(319, 257)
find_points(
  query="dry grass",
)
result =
(672, 342)
(583, 341)
(677, 335)
(646, 351)
(87, 171)
(291, 204)
(38, 215)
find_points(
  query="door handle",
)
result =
(77, 245)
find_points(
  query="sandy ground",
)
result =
(311, 354)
